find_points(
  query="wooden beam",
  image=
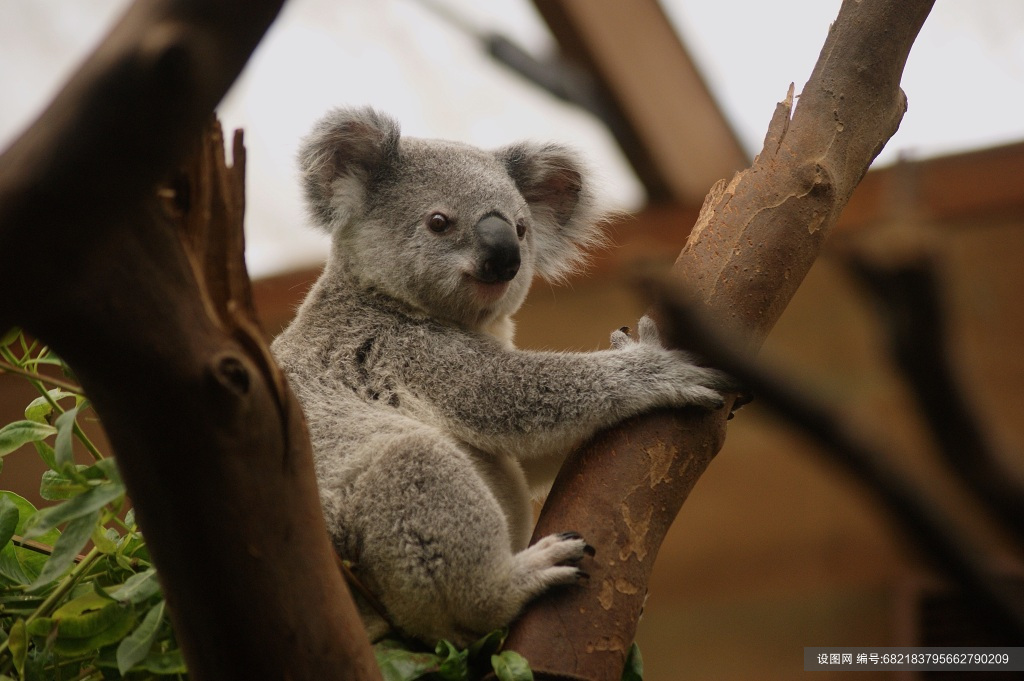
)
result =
(971, 187)
(674, 133)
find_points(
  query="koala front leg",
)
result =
(431, 541)
(532, 404)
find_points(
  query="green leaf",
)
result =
(45, 452)
(9, 517)
(40, 408)
(511, 666)
(136, 646)
(17, 642)
(138, 588)
(54, 486)
(86, 615)
(66, 549)
(398, 664)
(70, 481)
(105, 539)
(84, 504)
(65, 436)
(634, 669)
(9, 336)
(453, 666)
(41, 626)
(488, 645)
(165, 663)
(18, 564)
(14, 435)
(104, 469)
(123, 621)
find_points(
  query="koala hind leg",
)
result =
(434, 545)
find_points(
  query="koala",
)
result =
(430, 430)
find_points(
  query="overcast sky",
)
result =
(965, 82)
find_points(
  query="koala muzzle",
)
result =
(499, 250)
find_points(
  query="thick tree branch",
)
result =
(752, 246)
(212, 447)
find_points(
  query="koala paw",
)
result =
(647, 334)
(693, 385)
(554, 559)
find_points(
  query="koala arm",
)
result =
(530, 404)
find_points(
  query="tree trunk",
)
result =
(211, 444)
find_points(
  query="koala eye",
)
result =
(438, 223)
(520, 228)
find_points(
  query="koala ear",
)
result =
(346, 149)
(557, 187)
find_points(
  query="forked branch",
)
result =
(755, 240)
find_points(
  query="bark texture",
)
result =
(756, 238)
(155, 317)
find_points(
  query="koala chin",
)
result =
(430, 430)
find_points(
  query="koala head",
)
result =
(453, 231)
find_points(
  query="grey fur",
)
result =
(429, 428)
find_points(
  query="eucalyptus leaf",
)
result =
(9, 336)
(86, 615)
(122, 622)
(47, 454)
(104, 539)
(138, 588)
(488, 645)
(70, 481)
(54, 486)
(398, 664)
(14, 435)
(84, 504)
(9, 517)
(65, 436)
(165, 663)
(40, 408)
(136, 646)
(17, 642)
(104, 469)
(18, 564)
(66, 549)
(511, 666)
(453, 663)
(634, 669)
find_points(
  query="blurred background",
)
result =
(774, 550)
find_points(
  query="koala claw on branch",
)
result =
(698, 386)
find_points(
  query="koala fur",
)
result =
(429, 428)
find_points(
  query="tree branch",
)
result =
(210, 443)
(906, 293)
(923, 524)
(754, 242)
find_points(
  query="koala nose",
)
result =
(499, 249)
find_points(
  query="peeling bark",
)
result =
(756, 238)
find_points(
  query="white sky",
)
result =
(965, 82)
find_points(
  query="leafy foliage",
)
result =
(408, 661)
(79, 598)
